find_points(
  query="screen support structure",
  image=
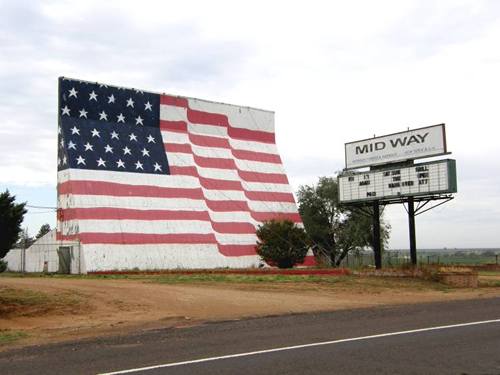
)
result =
(373, 210)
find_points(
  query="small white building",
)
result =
(47, 254)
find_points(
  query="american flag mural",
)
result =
(154, 181)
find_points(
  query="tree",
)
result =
(281, 243)
(44, 229)
(334, 230)
(11, 217)
(25, 240)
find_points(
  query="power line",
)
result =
(41, 207)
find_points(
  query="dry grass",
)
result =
(25, 302)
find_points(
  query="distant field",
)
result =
(445, 257)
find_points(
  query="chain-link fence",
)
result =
(399, 258)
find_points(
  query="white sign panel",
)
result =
(419, 179)
(408, 145)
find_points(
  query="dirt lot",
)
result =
(56, 309)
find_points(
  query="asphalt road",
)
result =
(473, 349)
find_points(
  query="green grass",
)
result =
(8, 336)
(489, 273)
(352, 282)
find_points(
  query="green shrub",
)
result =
(3, 265)
(281, 243)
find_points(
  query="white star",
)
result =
(133, 137)
(73, 92)
(62, 142)
(130, 103)
(80, 160)
(138, 120)
(71, 145)
(95, 133)
(58, 161)
(103, 116)
(75, 130)
(93, 96)
(101, 162)
(138, 91)
(121, 118)
(157, 167)
(145, 152)
(59, 130)
(65, 110)
(148, 106)
(108, 148)
(111, 99)
(103, 85)
(138, 165)
(126, 151)
(88, 146)
(114, 135)
(151, 139)
(120, 163)
(83, 113)
(64, 159)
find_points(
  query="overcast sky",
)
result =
(333, 71)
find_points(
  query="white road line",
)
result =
(173, 364)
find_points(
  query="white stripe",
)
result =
(172, 113)
(224, 195)
(257, 166)
(219, 174)
(272, 206)
(263, 186)
(137, 226)
(179, 159)
(267, 148)
(161, 256)
(236, 239)
(128, 178)
(141, 203)
(232, 217)
(175, 137)
(295, 347)
(210, 130)
(212, 152)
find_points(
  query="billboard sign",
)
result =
(437, 177)
(407, 145)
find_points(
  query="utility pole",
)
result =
(376, 235)
(411, 223)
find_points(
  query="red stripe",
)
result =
(214, 184)
(183, 148)
(141, 238)
(207, 141)
(234, 228)
(121, 190)
(256, 156)
(227, 206)
(184, 171)
(108, 213)
(173, 100)
(251, 135)
(207, 118)
(174, 126)
(265, 216)
(237, 250)
(218, 163)
(263, 177)
(270, 196)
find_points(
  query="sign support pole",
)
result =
(411, 224)
(376, 235)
